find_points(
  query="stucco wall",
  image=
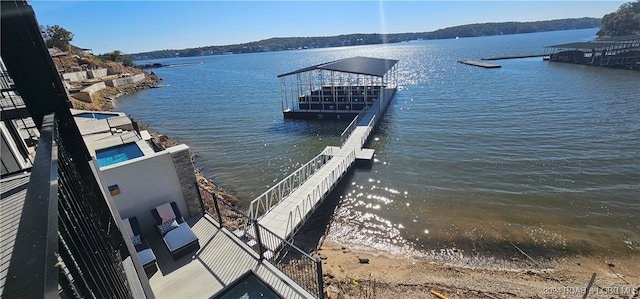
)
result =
(145, 183)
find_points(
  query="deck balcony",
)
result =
(221, 261)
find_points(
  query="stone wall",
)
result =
(186, 175)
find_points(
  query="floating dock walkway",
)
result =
(480, 64)
(285, 207)
(513, 57)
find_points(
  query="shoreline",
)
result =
(106, 100)
(353, 273)
(350, 272)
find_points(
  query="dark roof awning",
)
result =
(602, 43)
(582, 45)
(619, 38)
(357, 65)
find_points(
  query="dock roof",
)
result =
(602, 43)
(355, 65)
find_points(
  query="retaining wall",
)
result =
(96, 74)
(94, 87)
(126, 80)
(75, 76)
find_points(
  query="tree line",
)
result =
(291, 43)
(58, 37)
(624, 21)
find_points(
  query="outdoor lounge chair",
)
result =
(145, 254)
(176, 233)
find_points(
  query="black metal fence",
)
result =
(89, 236)
(70, 244)
(295, 263)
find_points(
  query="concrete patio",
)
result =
(221, 260)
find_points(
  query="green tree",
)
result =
(624, 21)
(114, 55)
(117, 56)
(127, 60)
(56, 36)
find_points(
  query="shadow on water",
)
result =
(311, 234)
(309, 127)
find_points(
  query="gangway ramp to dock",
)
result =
(284, 208)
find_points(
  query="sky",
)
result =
(141, 26)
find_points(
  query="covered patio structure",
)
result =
(337, 90)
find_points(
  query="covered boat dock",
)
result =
(617, 52)
(337, 90)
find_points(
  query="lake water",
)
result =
(545, 156)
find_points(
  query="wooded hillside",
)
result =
(290, 43)
(624, 21)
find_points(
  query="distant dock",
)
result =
(513, 56)
(480, 64)
(159, 65)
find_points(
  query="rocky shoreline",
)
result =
(350, 273)
(357, 273)
(104, 100)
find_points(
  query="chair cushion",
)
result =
(179, 237)
(167, 227)
(146, 256)
(136, 240)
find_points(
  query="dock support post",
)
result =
(259, 239)
(320, 280)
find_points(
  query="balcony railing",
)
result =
(68, 243)
(295, 263)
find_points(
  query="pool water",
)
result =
(117, 154)
(96, 115)
(248, 286)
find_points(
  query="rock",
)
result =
(363, 261)
(332, 292)
(328, 274)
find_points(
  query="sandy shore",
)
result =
(359, 273)
(363, 274)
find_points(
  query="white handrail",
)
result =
(364, 137)
(305, 206)
(282, 189)
(352, 126)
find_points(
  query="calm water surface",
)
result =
(543, 155)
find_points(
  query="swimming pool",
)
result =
(248, 286)
(96, 115)
(117, 154)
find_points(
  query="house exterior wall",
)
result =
(143, 184)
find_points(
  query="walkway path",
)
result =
(290, 212)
